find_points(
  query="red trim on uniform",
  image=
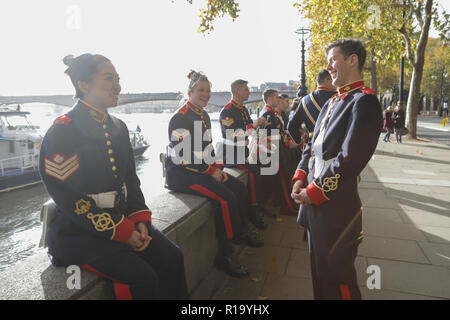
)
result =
(251, 181)
(351, 86)
(315, 194)
(121, 290)
(141, 216)
(250, 126)
(234, 102)
(269, 108)
(299, 175)
(323, 88)
(194, 108)
(367, 90)
(218, 165)
(285, 190)
(345, 292)
(223, 205)
(64, 119)
(123, 231)
(210, 170)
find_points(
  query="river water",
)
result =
(20, 227)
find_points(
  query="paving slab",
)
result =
(382, 214)
(293, 238)
(437, 253)
(242, 289)
(413, 278)
(376, 199)
(283, 287)
(418, 216)
(393, 249)
(378, 294)
(436, 234)
(266, 259)
(392, 230)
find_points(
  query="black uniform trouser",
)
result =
(157, 272)
(232, 197)
(259, 186)
(332, 266)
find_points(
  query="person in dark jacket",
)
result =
(102, 222)
(388, 123)
(399, 122)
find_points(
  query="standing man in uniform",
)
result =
(236, 125)
(325, 183)
(310, 106)
(275, 131)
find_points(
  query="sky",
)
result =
(152, 43)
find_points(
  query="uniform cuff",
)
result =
(211, 170)
(123, 230)
(218, 165)
(141, 216)
(299, 175)
(316, 194)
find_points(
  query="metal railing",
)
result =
(19, 164)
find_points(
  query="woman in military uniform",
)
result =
(102, 222)
(191, 168)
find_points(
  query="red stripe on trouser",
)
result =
(251, 179)
(285, 190)
(223, 205)
(345, 292)
(121, 290)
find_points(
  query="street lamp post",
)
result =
(303, 90)
(402, 70)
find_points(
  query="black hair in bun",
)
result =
(82, 68)
(68, 60)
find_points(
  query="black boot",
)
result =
(257, 219)
(249, 239)
(231, 266)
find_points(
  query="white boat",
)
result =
(20, 143)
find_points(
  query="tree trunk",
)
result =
(416, 78)
(373, 72)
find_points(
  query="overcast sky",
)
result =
(152, 43)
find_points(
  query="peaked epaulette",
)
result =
(228, 106)
(367, 90)
(64, 119)
(184, 109)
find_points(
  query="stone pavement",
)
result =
(405, 191)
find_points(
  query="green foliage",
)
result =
(214, 9)
(436, 72)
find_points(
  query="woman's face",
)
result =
(200, 94)
(104, 88)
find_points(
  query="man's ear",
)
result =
(83, 86)
(354, 60)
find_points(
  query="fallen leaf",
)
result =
(279, 220)
(255, 279)
(226, 290)
(262, 298)
(274, 263)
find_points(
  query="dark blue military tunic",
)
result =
(351, 123)
(85, 156)
(307, 112)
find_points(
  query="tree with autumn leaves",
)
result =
(390, 29)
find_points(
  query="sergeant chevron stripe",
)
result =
(60, 167)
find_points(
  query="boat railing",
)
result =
(19, 164)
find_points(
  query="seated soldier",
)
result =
(194, 170)
(102, 222)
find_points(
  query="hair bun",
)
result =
(68, 60)
(194, 75)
